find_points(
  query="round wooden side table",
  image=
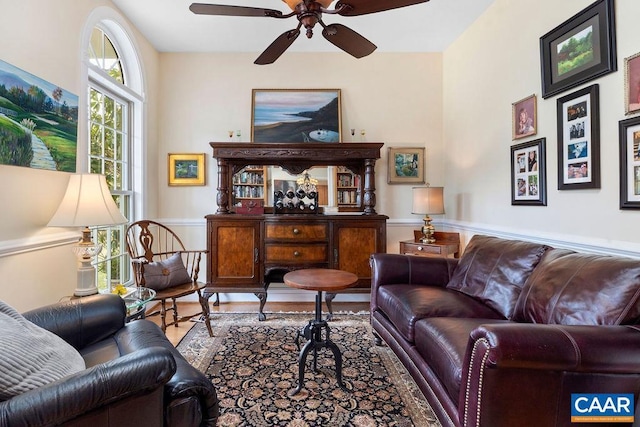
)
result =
(319, 280)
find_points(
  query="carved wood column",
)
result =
(369, 187)
(223, 187)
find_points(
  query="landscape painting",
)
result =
(296, 115)
(38, 122)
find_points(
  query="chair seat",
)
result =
(179, 291)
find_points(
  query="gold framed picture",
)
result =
(406, 165)
(186, 169)
(524, 117)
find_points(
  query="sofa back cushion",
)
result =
(569, 288)
(494, 270)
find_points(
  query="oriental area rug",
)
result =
(254, 366)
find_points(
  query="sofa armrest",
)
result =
(135, 374)
(389, 269)
(82, 321)
(545, 364)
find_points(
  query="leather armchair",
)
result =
(134, 375)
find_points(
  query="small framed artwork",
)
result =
(529, 173)
(524, 117)
(579, 50)
(579, 140)
(186, 169)
(632, 84)
(296, 115)
(629, 134)
(406, 165)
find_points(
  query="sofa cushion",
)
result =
(442, 343)
(494, 270)
(405, 304)
(569, 288)
(31, 356)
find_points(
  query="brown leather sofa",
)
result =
(134, 376)
(503, 336)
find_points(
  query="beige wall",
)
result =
(44, 39)
(497, 62)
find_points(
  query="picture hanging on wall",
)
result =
(405, 165)
(629, 134)
(524, 117)
(296, 115)
(529, 173)
(632, 84)
(38, 121)
(579, 140)
(579, 50)
(186, 169)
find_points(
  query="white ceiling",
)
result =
(171, 27)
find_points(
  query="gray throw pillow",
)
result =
(165, 274)
(31, 356)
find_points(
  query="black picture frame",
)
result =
(561, 70)
(579, 139)
(529, 173)
(629, 134)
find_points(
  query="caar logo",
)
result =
(598, 408)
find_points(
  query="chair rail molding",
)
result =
(37, 243)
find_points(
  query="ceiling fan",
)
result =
(309, 13)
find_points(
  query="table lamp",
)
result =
(87, 202)
(428, 201)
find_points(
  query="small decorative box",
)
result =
(251, 207)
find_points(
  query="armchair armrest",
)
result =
(68, 398)
(389, 269)
(82, 321)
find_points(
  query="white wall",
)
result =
(495, 63)
(44, 38)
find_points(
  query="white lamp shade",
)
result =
(87, 202)
(428, 200)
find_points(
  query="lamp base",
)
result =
(427, 231)
(86, 284)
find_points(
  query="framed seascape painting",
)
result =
(632, 84)
(405, 165)
(524, 117)
(579, 140)
(529, 173)
(579, 50)
(629, 134)
(186, 169)
(296, 115)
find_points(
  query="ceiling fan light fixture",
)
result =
(293, 3)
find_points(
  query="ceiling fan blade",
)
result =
(348, 40)
(220, 9)
(278, 47)
(363, 7)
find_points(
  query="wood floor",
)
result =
(175, 334)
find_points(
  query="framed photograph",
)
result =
(524, 117)
(406, 165)
(296, 115)
(186, 169)
(529, 173)
(629, 134)
(632, 84)
(579, 140)
(579, 50)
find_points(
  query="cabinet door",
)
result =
(234, 257)
(354, 242)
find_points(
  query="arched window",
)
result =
(114, 104)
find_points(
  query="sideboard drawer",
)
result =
(296, 231)
(296, 253)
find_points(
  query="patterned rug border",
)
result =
(199, 349)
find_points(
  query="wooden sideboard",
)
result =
(249, 252)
